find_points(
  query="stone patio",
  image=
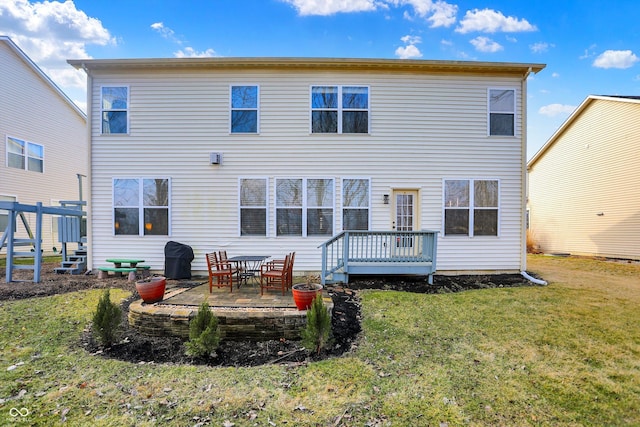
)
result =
(242, 314)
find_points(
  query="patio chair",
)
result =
(275, 275)
(221, 270)
(278, 264)
(235, 266)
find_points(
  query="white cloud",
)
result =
(165, 32)
(330, 7)
(50, 33)
(490, 21)
(438, 13)
(616, 59)
(411, 39)
(485, 44)
(540, 47)
(411, 50)
(407, 52)
(555, 75)
(189, 52)
(553, 110)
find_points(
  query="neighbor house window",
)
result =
(304, 206)
(25, 155)
(115, 104)
(244, 109)
(339, 109)
(355, 203)
(141, 206)
(471, 207)
(502, 111)
(253, 206)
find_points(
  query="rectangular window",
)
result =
(304, 207)
(355, 203)
(141, 206)
(471, 207)
(339, 109)
(114, 106)
(502, 112)
(25, 155)
(244, 109)
(253, 206)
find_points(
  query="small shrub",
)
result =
(532, 243)
(203, 333)
(316, 334)
(106, 320)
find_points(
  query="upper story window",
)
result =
(304, 206)
(244, 109)
(253, 206)
(471, 207)
(25, 155)
(115, 107)
(502, 112)
(339, 109)
(141, 206)
(355, 203)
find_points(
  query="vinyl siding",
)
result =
(424, 128)
(591, 168)
(31, 110)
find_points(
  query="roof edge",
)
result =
(291, 62)
(25, 58)
(588, 100)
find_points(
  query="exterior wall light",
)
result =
(385, 199)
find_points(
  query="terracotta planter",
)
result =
(304, 293)
(151, 290)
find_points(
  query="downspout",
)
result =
(90, 171)
(523, 210)
(533, 279)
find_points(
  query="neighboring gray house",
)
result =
(584, 191)
(44, 141)
(271, 155)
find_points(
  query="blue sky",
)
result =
(589, 46)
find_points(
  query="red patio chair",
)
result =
(274, 275)
(221, 270)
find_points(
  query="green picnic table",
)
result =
(123, 265)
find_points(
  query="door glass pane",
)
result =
(404, 212)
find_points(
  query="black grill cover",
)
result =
(177, 260)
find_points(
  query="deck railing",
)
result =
(378, 252)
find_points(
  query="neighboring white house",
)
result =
(44, 141)
(584, 183)
(263, 156)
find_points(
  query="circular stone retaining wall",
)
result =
(235, 324)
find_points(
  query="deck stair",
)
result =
(75, 263)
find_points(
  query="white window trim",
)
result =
(26, 154)
(342, 207)
(140, 207)
(128, 110)
(339, 109)
(514, 112)
(266, 179)
(305, 207)
(471, 208)
(231, 109)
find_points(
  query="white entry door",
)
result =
(405, 208)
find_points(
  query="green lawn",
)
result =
(563, 355)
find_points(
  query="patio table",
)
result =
(249, 267)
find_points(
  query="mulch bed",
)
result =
(139, 348)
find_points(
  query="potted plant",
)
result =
(151, 289)
(304, 293)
